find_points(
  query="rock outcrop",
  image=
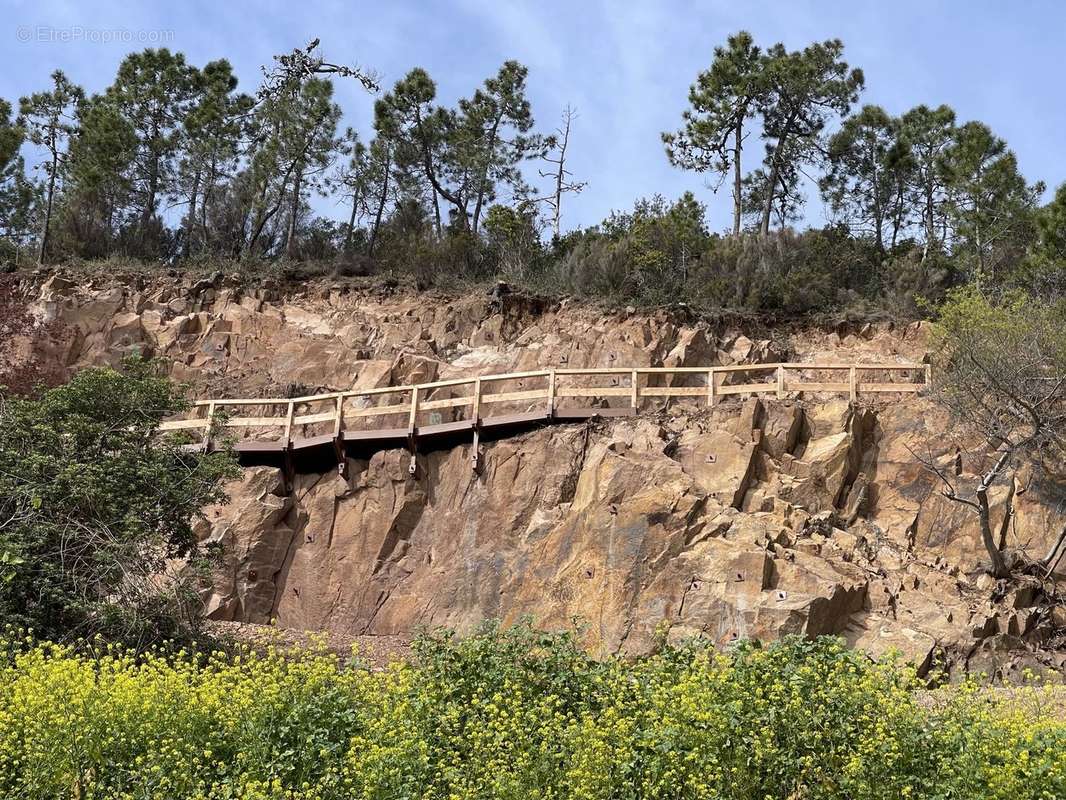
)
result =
(755, 518)
(633, 528)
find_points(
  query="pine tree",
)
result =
(295, 144)
(927, 133)
(355, 181)
(49, 119)
(860, 183)
(214, 128)
(17, 193)
(804, 90)
(420, 133)
(153, 92)
(497, 120)
(99, 161)
(722, 101)
(989, 199)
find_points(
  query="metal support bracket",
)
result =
(412, 448)
(289, 472)
(475, 452)
(342, 458)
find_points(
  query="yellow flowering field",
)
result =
(513, 714)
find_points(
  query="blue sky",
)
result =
(625, 65)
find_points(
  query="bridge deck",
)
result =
(317, 431)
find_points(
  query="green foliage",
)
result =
(991, 205)
(214, 127)
(927, 134)
(17, 192)
(99, 160)
(153, 92)
(493, 137)
(916, 203)
(296, 140)
(1044, 268)
(804, 90)
(93, 505)
(1001, 367)
(515, 714)
(463, 155)
(796, 94)
(662, 253)
(866, 180)
(49, 120)
(722, 100)
(512, 237)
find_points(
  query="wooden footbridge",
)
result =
(320, 431)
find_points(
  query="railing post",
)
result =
(412, 420)
(711, 399)
(207, 428)
(551, 392)
(853, 389)
(288, 423)
(476, 413)
(634, 397)
(413, 417)
(780, 382)
(475, 450)
(338, 423)
(338, 445)
(928, 374)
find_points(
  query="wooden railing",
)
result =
(467, 399)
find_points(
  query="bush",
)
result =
(94, 505)
(514, 714)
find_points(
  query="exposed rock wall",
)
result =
(675, 521)
(751, 519)
(230, 341)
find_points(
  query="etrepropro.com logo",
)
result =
(71, 34)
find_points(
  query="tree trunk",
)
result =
(260, 219)
(109, 235)
(438, 189)
(351, 223)
(879, 215)
(999, 564)
(436, 216)
(264, 215)
(560, 175)
(381, 204)
(1049, 560)
(980, 255)
(737, 182)
(48, 205)
(190, 225)
(210, 179)
(153, 189)
(485, 171)
(930, 223)
(897, 217)
(775, 170)
(290, 235)
(768, 202)
(557, 210)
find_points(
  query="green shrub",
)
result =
(514, 714)
(94, 505)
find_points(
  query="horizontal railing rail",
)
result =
(343, 409)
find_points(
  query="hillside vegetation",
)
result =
(172, 163)
(515, 715)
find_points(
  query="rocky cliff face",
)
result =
(751, 519)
